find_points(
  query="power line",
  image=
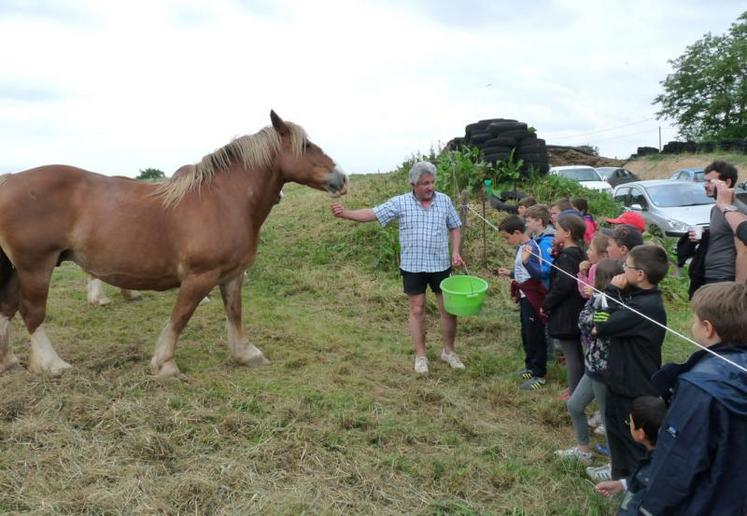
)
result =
(601, 130)
(606, 138)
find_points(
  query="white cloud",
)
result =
(117, 87)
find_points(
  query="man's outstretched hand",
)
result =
(337, 209)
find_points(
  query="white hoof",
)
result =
(102, 301)
(52, 368)
(10, 361)
(131, 295)
(43, 358)
(165, 370)
(251, 356)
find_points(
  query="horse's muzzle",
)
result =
(337, 182)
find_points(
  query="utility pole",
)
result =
(659, 138)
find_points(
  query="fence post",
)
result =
(484, 228)
(463, 199)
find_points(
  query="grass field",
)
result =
(338, 423)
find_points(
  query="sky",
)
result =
(116, 87)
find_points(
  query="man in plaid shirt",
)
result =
(427, 222)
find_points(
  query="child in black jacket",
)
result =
(634, 347)
(563, 302)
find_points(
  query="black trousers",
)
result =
(624, 451)
(533, 339)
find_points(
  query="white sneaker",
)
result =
(596, 419)
(600, 430)
(452, 359)
(600, 474)
(574, 453)
(421, 365)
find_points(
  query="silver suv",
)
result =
(672, 206)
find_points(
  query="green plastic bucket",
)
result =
(464, 294)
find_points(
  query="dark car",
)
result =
(688, 174)
(616, 175)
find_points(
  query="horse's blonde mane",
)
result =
(251, 151)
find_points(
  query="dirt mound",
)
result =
(662, 167)
(559, 155)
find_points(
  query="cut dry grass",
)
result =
(338, 423)
(661, 166)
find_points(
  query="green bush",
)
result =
(462, 170)
(547, 189)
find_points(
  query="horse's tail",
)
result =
(6, 269)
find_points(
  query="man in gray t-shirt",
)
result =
(721, 256)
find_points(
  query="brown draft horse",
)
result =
(196, 230)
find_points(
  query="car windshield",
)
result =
(683, 194)
(700, 177)
(580, 174)
(605, 172)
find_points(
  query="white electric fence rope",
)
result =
(620, 302)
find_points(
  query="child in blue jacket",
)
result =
(529, 292)
(700, 462)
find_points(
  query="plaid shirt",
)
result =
(423, 235)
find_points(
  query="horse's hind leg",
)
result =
(33, 308)
(9, 298)
(241, 350)
(96, 296)
(95, 291)
(193, 289)
(130, 295)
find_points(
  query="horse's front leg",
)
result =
(192, 290)
(242, 351)
(33, 307)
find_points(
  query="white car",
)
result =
(586, 176)
(673, 206)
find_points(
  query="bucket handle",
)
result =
(472, 292)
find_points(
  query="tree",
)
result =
(151, 174)
(589, 149)
(706, 95)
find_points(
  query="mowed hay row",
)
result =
(337, 423)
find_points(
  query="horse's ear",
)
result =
(278, 124)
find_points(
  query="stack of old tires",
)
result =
(497, 138)
(731, 144)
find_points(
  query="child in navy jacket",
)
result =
(700, 462)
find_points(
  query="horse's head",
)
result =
(311, 166)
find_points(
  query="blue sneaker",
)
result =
(604, 450)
